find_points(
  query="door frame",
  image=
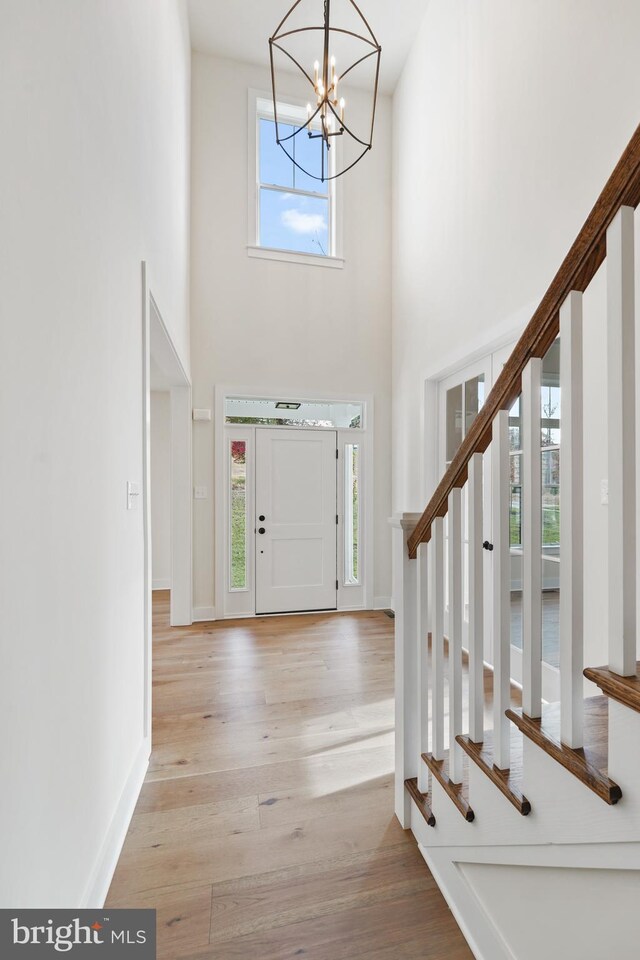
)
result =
(157, 342)
(495, 354)
(350, 597)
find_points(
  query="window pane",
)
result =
(550, 396)
(473, 399)
(238, 514)
(515, 427)
(551, 498)
(292, 222)
(275, 165)
(550, 436)
(515, 506)
(290, 412)
(308, 153)
(454, 420)
(352, 513)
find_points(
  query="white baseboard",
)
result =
(382, 603)
(477, 927)
(161, 584)
(201, 614)
(98, 885)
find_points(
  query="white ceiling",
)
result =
(241, 31)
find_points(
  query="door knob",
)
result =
(261, 517)
(261, 530)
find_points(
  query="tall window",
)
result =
(238, 514)
(351, 513)
(294, 211)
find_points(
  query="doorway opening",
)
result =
(166, 487)
(293, 504)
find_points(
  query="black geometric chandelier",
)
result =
(324, 56)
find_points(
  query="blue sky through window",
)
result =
(290, 220)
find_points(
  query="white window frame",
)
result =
(260, 106)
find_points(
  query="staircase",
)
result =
(526, 811)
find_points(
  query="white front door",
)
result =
(295, 520)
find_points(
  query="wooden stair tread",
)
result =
(625, 690)
(589, 763)
(459, 792)
(421, 800)
(509, 782)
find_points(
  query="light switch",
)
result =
(200, 414)
(133, 494)
(604, 492)
(200, 493)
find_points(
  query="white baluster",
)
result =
(531, 540)
(501, 590)
(437, 641)
(455, 633)
(571, 529)
(476, 612)
(621, 443)
(423, 664)
(405, 601)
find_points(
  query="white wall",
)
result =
(544, 911)
(505, 133)
(282, 326)
(161, 489)
(94, 165)
(508, 119)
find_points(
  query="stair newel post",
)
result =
(476, 602)
(621, 442)
(437, 640)
(571, 524)
(531, 540)
(500, 496)
(422, 656)
(406, 713)
(455, 633)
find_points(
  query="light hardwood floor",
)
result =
(265, 827)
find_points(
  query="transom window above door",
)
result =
(331, 414)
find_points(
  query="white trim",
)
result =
(382, 603)
(181, 481)
(288, 256)
(181, 507)
(582, 856)
(478, 929)
(146, 502)
(157, 340)
(161, 584)
(97, 887)
(365, 433)
(203, 614)
(334, 189)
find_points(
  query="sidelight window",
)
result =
(238, 514)
(352, 514)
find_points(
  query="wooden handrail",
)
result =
(576, 273)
